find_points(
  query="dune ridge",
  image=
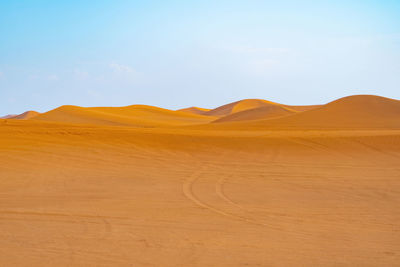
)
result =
(195, 110)
(26, 115)
(238, 106)
(264, 112)
(249, 104)
(9, 116)
(351, 112)
(135, 115)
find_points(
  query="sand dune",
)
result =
(26, 115)
(249, 104)
(238, 106)
(195, 110)
(9, 116)
(265, 112)
(136, 115)
(353, 112)
(78, 191)
(302, 107)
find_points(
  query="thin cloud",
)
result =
(124, 69)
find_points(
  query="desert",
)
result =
(250, 183)
(199, 133)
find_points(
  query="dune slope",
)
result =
(250, 104)
(26, 115)
(353, 112)
(302, 107)
(136, 115)
(265, 112)
(195, 110)
(239, 106)
(9, 116)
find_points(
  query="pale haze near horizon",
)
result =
(175, 54)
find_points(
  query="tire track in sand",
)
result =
(219, 185)
(187, 189)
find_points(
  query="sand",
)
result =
(252, 104)
(91, 193)
(9, 116)
(135, 115)
(23, 116)
(265, 112)
(238, 106)
(195, 110)
(348, 113)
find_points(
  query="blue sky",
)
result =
(206, 53)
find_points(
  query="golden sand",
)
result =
(142, 186)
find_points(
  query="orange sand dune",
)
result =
(265, 112)
(353, 112)
(302, 108)
(25, 116)
(239, 106)
(136, 115)
(8, 116)
(248, 104)
(194, 110)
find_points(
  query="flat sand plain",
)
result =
(96, 195)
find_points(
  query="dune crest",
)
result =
(238, 106)
(9, 116)
(135, 115)
(352, 112)
(194, 110)
(302, 107)
(265, 112)
(26, 115)
(252, 104)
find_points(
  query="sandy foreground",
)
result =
(118, 196)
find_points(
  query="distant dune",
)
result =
(26, 115)
(302, 108)
(265, 112)
(195, 110)
(136, 115)
(352, 112)
(238, 106)
(23, 116)
(8, 116)
(270, 108)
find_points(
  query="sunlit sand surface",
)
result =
(144, 186)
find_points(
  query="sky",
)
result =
(206, 53)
